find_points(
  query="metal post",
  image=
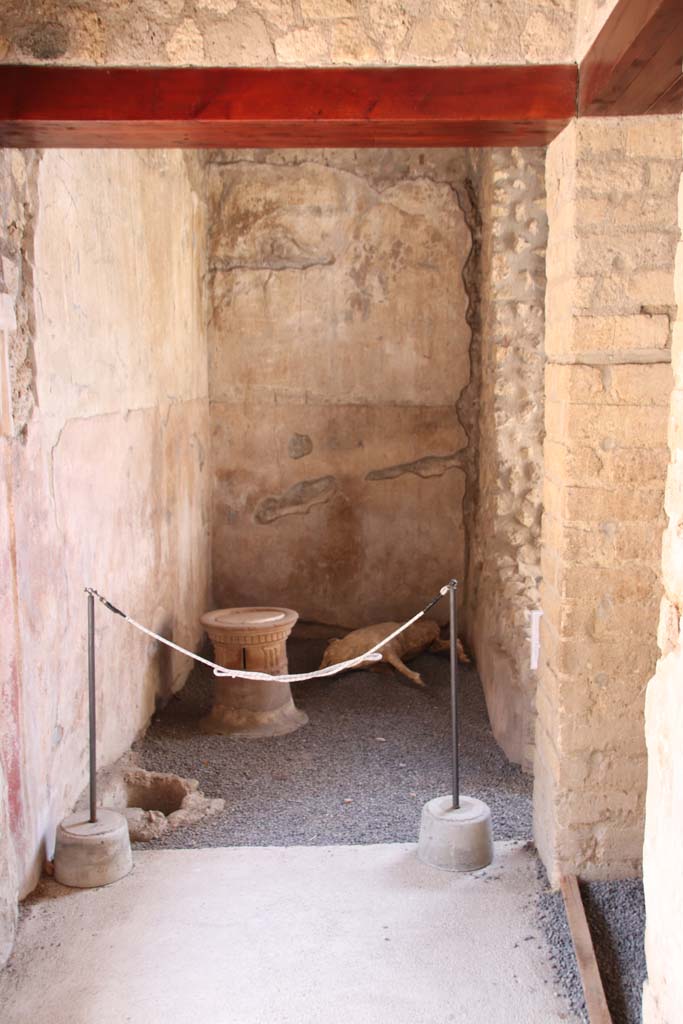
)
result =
(455, 754)
(92, 706)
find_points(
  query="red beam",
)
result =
(280, 107)
(634, 64)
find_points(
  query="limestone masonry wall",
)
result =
(591, 15)
(339, 353)
(504, 569)
(613, 229)
(105, 476)
(287, 32)
(663, 1002)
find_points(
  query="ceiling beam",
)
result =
(285, 107)
(635, 65)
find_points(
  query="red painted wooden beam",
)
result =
(634, 65)
(280, 107)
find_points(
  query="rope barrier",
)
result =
(220, 671)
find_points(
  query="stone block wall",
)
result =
(339, 365)
(613, 229)
(663, 878)
(504, 556)
(104, 466)
(263, 33)
(591, 15)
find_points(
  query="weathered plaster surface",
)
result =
(338, 315)
(108, 485)
(591, 15)
(287, 32)
(504, 569)
(17, 185)
(663, 878)
(612, 205)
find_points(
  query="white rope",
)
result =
(220, 671)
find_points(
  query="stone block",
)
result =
(621, 333)
(595, 505)
(602, 176)
(677, 352)
(675, 426)
(606, 427)
(619, 254)
(617, 384)
(642, 211)
(657, 137)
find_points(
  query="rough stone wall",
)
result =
(504, 569)
(591, 15)
(107, 484)
(613, 230)
(663, 1002)
(339, 351)
(287, 32)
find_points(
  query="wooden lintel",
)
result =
(284, 107)
(635, 63)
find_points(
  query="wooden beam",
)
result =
(635, 63)
(596, 1003)
(281, 107)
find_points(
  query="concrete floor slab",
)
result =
(298, 935)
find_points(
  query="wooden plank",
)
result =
(635, 59)
(596, 1003)
(279, 135)
(279, 107)
(671, 101)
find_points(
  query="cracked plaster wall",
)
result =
(105, 475)
(339, 315)
(504, 555)
(287, 32)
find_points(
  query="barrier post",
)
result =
(455, 723)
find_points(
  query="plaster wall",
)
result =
(104, 462)
(339, 369)
(266, 33)
(663, 879)
(613, 229)
(504, 556)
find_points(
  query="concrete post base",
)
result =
(92, 853)
(455, 840)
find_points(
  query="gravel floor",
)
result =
(616, 916)
(376, 749)
(373, 739)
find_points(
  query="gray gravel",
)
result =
(616, 917)
(373, 739)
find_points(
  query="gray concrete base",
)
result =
(456, 840)
(92, 853)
